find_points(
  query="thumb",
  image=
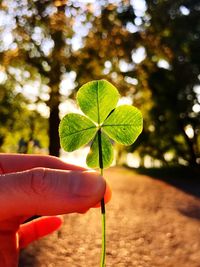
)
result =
(43, 191)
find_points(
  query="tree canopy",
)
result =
(148, 49)
(156, 50)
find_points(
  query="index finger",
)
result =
(19, 162)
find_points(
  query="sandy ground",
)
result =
(150, 223)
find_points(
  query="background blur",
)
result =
(150, 50)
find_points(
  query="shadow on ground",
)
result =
(28, 259)
(192, 211)
(184, 178)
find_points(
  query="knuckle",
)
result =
(40, 182)
(48, 160)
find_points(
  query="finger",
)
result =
(38, 228)
(107, 196)
(18, 162)
(43, 191)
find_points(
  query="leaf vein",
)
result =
(129, 124)
(80, 131)
(98, 102)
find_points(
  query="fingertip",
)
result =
(108, 193)
(87, 184)
(56, 222)
(38, 228)
(107, 196)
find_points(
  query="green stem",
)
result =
(103, 252)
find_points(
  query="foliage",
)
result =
(174, 40)
(151, 54)
(41, 33)
(10, 110)
(18, 122)
(164, 78)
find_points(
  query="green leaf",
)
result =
(124, 124)
(107, 152)
(97, 99)
(75, 131)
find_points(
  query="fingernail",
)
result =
(88, 183)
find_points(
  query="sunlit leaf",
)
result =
(124, 124)
(97, 99)
(75, 131)
(107, 152)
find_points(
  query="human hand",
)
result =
(40, 185)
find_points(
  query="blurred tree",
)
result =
(148, 49)
(172, 67)
(17, 122)
(107, 48)
(10, 111)
(40, 33)
(152, 54)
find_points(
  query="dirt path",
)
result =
(149, 224)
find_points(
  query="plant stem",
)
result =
(103, 212)
(103, 252)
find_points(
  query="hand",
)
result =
(40, 185)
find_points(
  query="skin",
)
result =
(41, 185)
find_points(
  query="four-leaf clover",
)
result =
(103, 121)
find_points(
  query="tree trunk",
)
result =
(190, 144)
(54, 142)
(55, 78)
(192, 161)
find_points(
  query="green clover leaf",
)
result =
(104, 121)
